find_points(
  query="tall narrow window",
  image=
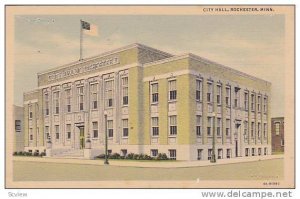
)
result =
(18, 126)
(252, 129)
(109, 93)
(200, 154)
(172, 154)
(228, 98)
(110, 128)
(209, 154)
(125, 90)
(30, 111)
(125, 127)
(56, 102)
(80, 96)
(252, 102)
(172, 90)
(155, 127)
(56, 132)
(209, 92)
(95, 129)
(198, 125)
(246, 100)
(46, 98)
(198, 90)
(154, 92)
(258, 130)
(259, 103)
(94, 95)
(265, 130)
(219, 94)
(68, 100)
(209, 126)
(219, 125)
(47, 134)
(227, 127)
(30, 134)
(236, 97)
(173, 124)
(245, 130)
(265, 104)
(68, 131)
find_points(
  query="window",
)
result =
(30, 134)
(155, 128)
(227, 98)
(253, 151)
(265, 104)
(265, 151)
(245, 130)
(46, 98)
(154, 152)
(68, 100)
(109, 93)
(228, 127)
(68, 130)
(173, 124)
(172, 90)
(236, 97)
(95, 129)
(259, 151)
(219, 125)
(265, 130)
(123, 152)
(282, 142)
(258, 130)
(209, 154)
(228, 153)
(109, 152)
(47, 135)
(246, 151)
(56, 102)
(246, 100)
(199, 154)
(56, 132)
(252, 129)
(94, 95)
(252, 102)
(198, 125)
(198, 90)
(30, 111)
(172, 154)
(80, 96)
(277, 128)
(209, 126)
(219, 94)
(125, 90)
(18, 126)
(110, 128)
(125, 127)
(209, 92)
(154, 91)
(259, 103)
(220, 153)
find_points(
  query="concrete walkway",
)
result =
(149, 164)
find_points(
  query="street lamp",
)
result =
(213, 155)
(105, 125)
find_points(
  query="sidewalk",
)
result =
(149, 164)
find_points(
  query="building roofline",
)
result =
(205, 61)
(30, 92)
(121, 49)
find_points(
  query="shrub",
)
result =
(101, 156)
(36, 153)
(15, 153)
(135, 157)
(115, 156)
(147, 157)
(20, 153)
(162, 156)
(130, 156)
(43, 154)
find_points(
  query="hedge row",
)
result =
(25, 153)
(132, 156)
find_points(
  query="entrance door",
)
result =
(81, 137)
(236, 138)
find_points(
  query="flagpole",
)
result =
(80, 58)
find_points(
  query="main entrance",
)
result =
(81, 137)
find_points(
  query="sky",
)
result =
(253, 44)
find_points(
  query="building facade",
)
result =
(150, 102)
(277, 134)
(18, 116)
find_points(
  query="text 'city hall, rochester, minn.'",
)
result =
(148, 101)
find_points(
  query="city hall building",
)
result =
(148, 101)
